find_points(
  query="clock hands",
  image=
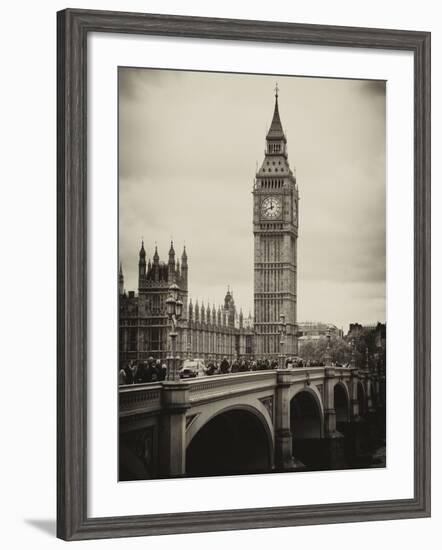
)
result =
(271, 207)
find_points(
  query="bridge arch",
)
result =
(307, 408)
(341, 400)
(234, 440)
(307, 426)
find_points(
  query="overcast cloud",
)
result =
(189, 144)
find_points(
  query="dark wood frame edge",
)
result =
(72, 28)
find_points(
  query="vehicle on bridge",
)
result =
(192, 368)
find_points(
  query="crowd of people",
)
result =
(241, 365)
(155, 370)
(245, 365)
(142, 372)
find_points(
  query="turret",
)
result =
(120, 280)
(171, 263)
(190, 310)
(227, 299)
(156, 265)
(197, 312)
(229, 308)
(241, 319)
(141, 265)
(208, 315)
(184, 269)
(250, 320)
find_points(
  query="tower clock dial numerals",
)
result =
(271, 207)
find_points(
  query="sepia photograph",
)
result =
(251, 274)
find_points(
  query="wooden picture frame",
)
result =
(73, 28)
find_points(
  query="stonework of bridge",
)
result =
(261, 421)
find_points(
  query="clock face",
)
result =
(271, 207)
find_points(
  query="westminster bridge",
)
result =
(274, 420)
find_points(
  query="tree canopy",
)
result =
(316, 350)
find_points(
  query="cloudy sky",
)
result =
(189, 143)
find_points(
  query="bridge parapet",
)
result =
(217, 387)
(139, 398)
(148, 398)
(317, 375)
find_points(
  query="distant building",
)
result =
(369, 341)
(308, 331)
(380, 332)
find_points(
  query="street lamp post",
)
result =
(328, 356)
(189, 347)
(174, 309)
(282, 333)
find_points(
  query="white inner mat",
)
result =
(106, 497)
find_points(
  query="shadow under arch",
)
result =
(306, 414)
(341, 400)
(362, 399)
(373, 394)
(307, 427)
(235, 440)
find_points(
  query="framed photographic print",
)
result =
(243, 274)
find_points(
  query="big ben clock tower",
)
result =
(275, 229)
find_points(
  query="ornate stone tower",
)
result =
(275, 229)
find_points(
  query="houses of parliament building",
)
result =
(215, 332)
(203, 331)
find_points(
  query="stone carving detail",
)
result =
(268, 404)
(307, 379)
(320, 388)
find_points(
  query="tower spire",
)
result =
(275, 130)
(171, 265)
(120, 279)
(141, 265)
(142, 251)
(171, 250)
(184, 269)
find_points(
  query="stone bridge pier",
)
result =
(276, 420)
